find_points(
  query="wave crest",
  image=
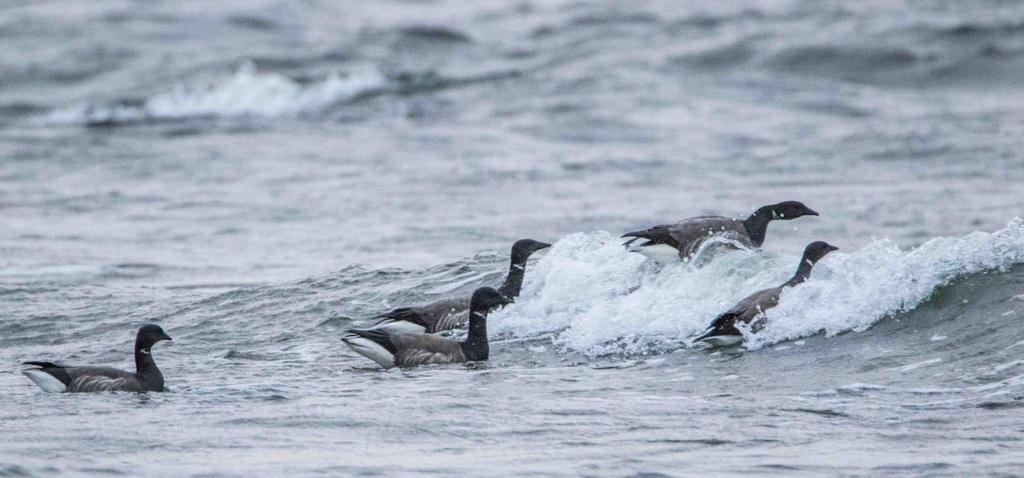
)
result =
(599, 299)
(246, 93)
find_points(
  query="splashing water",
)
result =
(600, 299)
(246, 93)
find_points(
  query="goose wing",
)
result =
(83, 379)
(688, 235)
(447, 314)
(693, 233)
(755, 304)
(660, 234)
(439, 316)
(103, 379)
(745, 311)
(422, 349)
(405, 319)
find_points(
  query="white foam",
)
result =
(916, 365)
(246, 93)
(856, 290)
(597, 298)
(1014, 345)
(1006, 366)
(861, 387)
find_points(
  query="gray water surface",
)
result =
(257, 176)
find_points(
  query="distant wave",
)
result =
(249, 93)
(80, 273)
(599, 299)
(842, 60)
(246, 93)
(432, 33)
(962, 52)
(998, 29)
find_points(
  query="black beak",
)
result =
(832, 248)
(707, 333)
(811, 212)
(166, 337)
(507, 300)
(542, 245)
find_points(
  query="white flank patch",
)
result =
(660, 253)
(371, 350)
(399, 327)
(45, 381)
(723, 340)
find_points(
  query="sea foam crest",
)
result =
(246, 93)
(598, 299)
(881, 279)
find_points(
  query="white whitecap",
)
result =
(598, 298)
(246, 93)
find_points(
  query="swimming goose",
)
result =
(681, 241)
(54, 378)
(395, 348)
(448, 314)
(723, 331)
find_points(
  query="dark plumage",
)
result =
(390, 348)
(448, 314)
(53, 377)
(723, 329)
(682, 240)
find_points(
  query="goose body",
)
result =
(452, 313)
(391, 348)
(681, 241)
(723, 330)
(445, 314)
(744, 312)
(56, 378)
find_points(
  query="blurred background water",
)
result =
(257, 176)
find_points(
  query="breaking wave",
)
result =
(246, 93)
(598, 299)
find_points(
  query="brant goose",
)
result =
(723, 331)
(395, 348)
(147, 378)
(681, 241)
(448, 314)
